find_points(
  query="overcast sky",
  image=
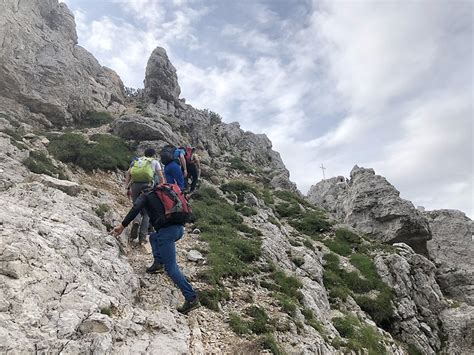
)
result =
(381, 84)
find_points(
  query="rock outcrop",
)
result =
(369, 203)
(452, 249)
(161, 81)
(417, 297)
(44, 70)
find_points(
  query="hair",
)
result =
(150, 152)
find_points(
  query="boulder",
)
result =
(369, 203)
(141, 128)
(69, 187)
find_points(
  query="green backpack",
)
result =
(141, 170)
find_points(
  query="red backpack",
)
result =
(177, 208)
(188, 154)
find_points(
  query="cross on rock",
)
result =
(323, 168)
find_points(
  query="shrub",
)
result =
(344, 242)
(287, 304)
(252, 232)
(311, 321)
(338, 247)
(108, 152)
(95, 119)
(40, 163)
(237, 324)
(274, 221)
(380, 308)
(308, 244)
(107, 311)
(289, 285)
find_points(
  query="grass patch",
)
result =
(105, 152)
(274, 221)
(288, 209)
(267, 197)
(95, 119)
(268, 342)
(239, 188)
(308, 244)
(344, 242)
(359, 336)
(237, 324)
(238, 164)
(39, 163)
(14, 134)
(311, 223)
(101, 210)
(230, 254)
(313, 322)
(211, 298)
(341, 283)
(245, 210)
(260, 321)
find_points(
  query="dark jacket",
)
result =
(153, 206)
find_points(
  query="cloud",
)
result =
(380, 84)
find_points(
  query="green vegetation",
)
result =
(237, 324)
(239, 188)
(341, 283)
(230, 254)
(105, 152)
(39, 163)
(14, 134)
(238, 164)
(308, 244)
(286, 291)
(245, 210)
(292, 197)
(288, 210)
(297, 260)
(359, 335)
(95, 119)
(313, 322)
(260, 321)
(210, 298)
(344, 242)
(311, 223)
(274, 221)
(268, 342)
(101, 210)
(268, 197)
(107, 311)
(413, 350)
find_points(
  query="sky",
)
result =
(381, 84)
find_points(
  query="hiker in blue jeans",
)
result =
(162, 244)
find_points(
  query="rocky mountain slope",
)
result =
(351, 269)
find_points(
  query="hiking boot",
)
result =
(189, 305)
(155, 268)
(142, 239)
(134, 231)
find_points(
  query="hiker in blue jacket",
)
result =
(171, 157)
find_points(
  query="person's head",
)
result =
(150, 152)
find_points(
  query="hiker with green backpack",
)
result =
(143, 174)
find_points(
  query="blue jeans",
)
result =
(164, 252)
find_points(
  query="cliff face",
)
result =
(44, 71)
(274, 271)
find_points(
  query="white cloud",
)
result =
(379, 84)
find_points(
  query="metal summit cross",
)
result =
(323, 168)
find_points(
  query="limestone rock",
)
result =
(452, 249)
(417, 297)
(144, 128)
(194, 255)
(161, 80)
(369, 203)
(69, 187)
(43, 68)
(458, 324)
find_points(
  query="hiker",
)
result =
(193, 166)
(170, 156)
(143, 174)
(169, 228)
